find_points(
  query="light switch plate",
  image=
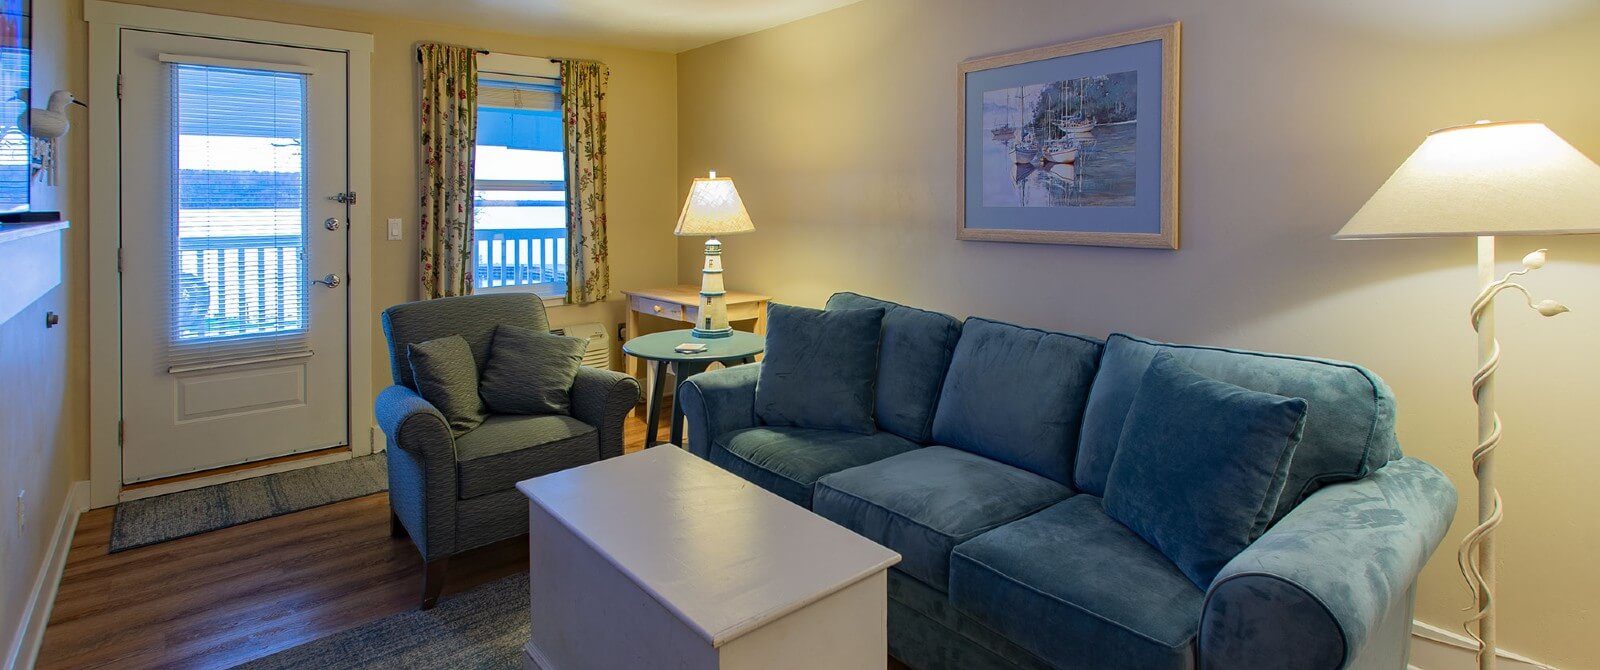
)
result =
(394, 229)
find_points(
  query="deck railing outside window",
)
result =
(532, 257)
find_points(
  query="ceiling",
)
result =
(654, 25)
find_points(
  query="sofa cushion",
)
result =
(1016, 395)
(446, 376)
(509, 448)
(788, 461)
(1200, 465)
(1078, 589)
(530, 371)
(1349, 429)
(912, 359)
(820, 368)
(923, 503)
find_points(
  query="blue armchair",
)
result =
(452, 494)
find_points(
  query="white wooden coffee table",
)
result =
(659, 559)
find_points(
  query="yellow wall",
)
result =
(41, 412)
(840, 131)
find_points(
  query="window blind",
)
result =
(239, 287)
(517, 92)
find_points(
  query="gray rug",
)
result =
(484, 627)
(145, 522)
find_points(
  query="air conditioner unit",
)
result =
(598, 355)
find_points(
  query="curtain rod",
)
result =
(485, 52)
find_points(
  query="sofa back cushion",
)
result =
(820, 368)
(1349, 426)
(1017, 395)
(1201, 465)
(912, 360)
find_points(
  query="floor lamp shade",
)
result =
(713, 208)
(1508, 178)
(1485, 180)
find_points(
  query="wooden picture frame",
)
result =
(1103, 192)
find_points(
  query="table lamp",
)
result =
(713, 209)
(1485, 180)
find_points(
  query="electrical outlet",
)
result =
(394, 229)
(22, 510)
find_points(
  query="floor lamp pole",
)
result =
(1480, 569)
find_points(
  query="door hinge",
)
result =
(122, 433)
(348, 197)
(119, 260)
(119, 85)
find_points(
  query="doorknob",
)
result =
(331, 224)
(330, 281)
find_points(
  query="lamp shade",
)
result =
(713, 208)
(1508, 178)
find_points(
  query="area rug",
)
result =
(484, 627)
(144, 522)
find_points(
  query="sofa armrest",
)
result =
(717, 402)
(1312, 591)
(422, 469)
(603, 398)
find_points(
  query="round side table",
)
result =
(659, 350)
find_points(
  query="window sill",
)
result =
(549, 300)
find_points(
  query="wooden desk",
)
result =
(746, 311)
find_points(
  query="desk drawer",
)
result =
(663, 309)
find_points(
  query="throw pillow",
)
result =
(530, 372)
(820, 368)
(447, 376)
(1200, 465)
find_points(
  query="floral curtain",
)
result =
(583, 105)
(449, 136)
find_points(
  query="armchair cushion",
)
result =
(1200, 465)
(1016, 395)
(924, 502)
(447, 377)
(912, 359)
(820, 368)
(788, 461)
(508, 448)
(473, 317)
(530, 372)
(1073, 586)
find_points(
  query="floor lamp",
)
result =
(1486, 180)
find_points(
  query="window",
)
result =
(239, 203)
(520, 203)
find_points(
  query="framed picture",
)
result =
(1074, 143)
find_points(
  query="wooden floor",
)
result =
(218, 599)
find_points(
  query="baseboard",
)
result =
(29, 635)
(1434, 648)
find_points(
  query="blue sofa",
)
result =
(993, 446)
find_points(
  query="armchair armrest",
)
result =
(422, 469)
(413, 424)
(603, 398)
(717, 402)
(1313, 591)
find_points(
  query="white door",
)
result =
(234, 309)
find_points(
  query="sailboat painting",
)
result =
(1072, 143)
(1090, 123)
